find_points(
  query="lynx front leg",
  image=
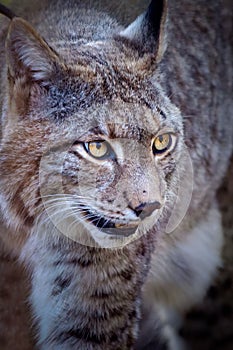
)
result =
(81, 301)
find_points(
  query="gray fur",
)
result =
(93, 78)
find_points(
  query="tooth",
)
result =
(119, 225)
(126, 225)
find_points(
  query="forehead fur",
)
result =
(104, 86)
(99, 73)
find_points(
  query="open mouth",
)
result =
(110, 227)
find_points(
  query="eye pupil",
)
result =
(162, 143)
(97, 149)
(161, 139)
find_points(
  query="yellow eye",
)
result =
(97, 149)
(163, 143)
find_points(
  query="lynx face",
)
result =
(102, 142)
(116, 178)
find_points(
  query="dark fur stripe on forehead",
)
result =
(71, 94)
(117, 130)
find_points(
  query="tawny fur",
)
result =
(92, 78)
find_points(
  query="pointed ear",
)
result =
(28, 54)
(147, 32)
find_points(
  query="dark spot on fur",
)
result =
(142, 250)
(60, 284)
(83, 334)
(116, 312)
(114, 337)
(109, 313)
(163, 115)
(84, 262)
(22, 210)
(100, 294)
(127, 274)
(39, 200)
(133, 314)
(81, 261)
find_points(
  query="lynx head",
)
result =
(91, 145)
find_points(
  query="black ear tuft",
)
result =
(147, 32)
(154, 16)
(6, 12)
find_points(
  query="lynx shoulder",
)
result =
(114, 140)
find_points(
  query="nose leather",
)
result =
(146, 209)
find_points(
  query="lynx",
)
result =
(114, 140)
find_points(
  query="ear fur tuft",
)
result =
(147, 32)
(6, 12)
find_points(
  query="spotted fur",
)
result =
(75, 75)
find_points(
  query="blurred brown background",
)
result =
(207, 327)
